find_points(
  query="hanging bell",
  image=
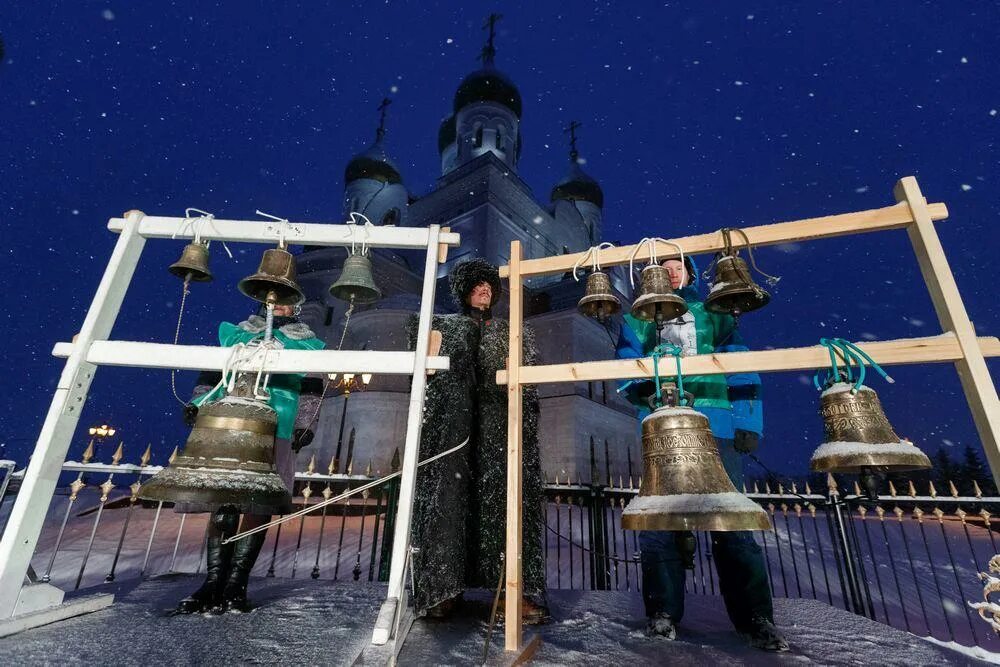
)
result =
(684, 484)
(228, 460)
(656, 301)
(733, 290)
(858, 437)
(356, 282)
(274, 280)
(193, 263)
(598, 299)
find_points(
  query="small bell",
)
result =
(194, 263)
(274, 280)
(656, 301)
(356, 283)
(598, 299)
(684, 484)
(228, 460)
(733, 290)
(858, 437)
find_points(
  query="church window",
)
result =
(498, 140)
(391, 217)
(477, 139)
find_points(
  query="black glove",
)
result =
(190, 414)
(301, 437)
(745, 442)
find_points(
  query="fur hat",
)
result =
(466, 275)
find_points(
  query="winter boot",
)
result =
(234, 594)
(661, 625)
(444, 608)
(763, 635)
(218, 555)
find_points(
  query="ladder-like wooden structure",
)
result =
(958, 343)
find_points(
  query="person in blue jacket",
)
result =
(733, 407)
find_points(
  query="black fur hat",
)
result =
(466, 275)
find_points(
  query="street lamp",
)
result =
(98, 434)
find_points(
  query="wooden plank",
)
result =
(298, 233)
(889, 217)
(886, 353)
(71, 608)
(980, 392)
(512, 625)
(443, 247)
(136, 354)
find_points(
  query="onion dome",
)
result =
(578, 186)
(447, 133)
(373, 162)
(488, 85)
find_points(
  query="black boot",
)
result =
(234, 594)
(218, 555)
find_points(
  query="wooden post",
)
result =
(979, 389)
(512, 627)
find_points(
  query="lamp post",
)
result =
(348, 382)
(99, 433)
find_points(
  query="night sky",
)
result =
(694, 118)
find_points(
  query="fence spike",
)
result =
(75, 486)
(919, 513)
(173, 455)
(933, 491)
(986, 517)
(831, 484)
(369, 469)
(333, 465)
(976, 490)
(630, 482)
(939, 514)
(327, 492)
(784, 509)
(880, 512)
(621, 482)
(898, 512)
(862, 510)
(960, 513)
(857, 489)
(106, 488)
(350, 467)
(767, 488)
(311, 468)
(892, 489)
(952, 489)
(640, 481)
(395, 460)
(781, 489)
(135, 486)
(808, 490)
(117, 456)
(744, 488)
(794, 490)
(146, 455)
(798, 510)
(913, 489)
(307, 491)
(88, 453)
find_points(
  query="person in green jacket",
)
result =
(296, 399)
(734, 410)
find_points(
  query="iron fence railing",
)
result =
(907, 560)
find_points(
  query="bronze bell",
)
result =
(656, 301)
(228, 460)
(857, 436)
(193, 263)
(598, 299)
(356, 283)
(275, 276)
(733, 290)
(684, 485)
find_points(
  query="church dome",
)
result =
(488, 85)
(447, 133)
(578, 186)
(372, 163)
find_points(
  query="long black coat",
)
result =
(459, 520)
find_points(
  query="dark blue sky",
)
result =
(694, 118)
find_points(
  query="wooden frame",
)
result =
(957, 344)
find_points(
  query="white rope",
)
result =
(651, 240)
(352, 229)
(197, 225)
(346, 494)
(594, 252)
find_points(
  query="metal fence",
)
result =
(907, 560)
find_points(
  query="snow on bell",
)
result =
(598, 299)
(656, 301)
(193, 264)
(356, 283)
(684, 484)
(275, 280)
(733, 290)
(858, 437)
(228, 460)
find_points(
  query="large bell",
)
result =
(275, 276)
(356, 282)
(733, 290)
(684, 485)
(656, 301)
(858, 437)
(193, 263)
(228, 461)
(598, 300)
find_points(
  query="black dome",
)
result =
(372, 163)
(447, 133)
(488, 85)
(578, 186)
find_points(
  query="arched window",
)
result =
(477, 139)
(391, 217)
(498, 140)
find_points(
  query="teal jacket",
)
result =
(730, 402)
(284, 388)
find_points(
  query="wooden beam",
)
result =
(512, 622)
(137, 354)
(980, 392)
(889, 217)
(887, 353)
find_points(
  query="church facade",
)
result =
(587, 431)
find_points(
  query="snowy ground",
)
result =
(310, 622)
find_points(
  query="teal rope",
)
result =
(662, 350)
(850, 354)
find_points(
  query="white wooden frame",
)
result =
(91, 348)
(958, 343)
